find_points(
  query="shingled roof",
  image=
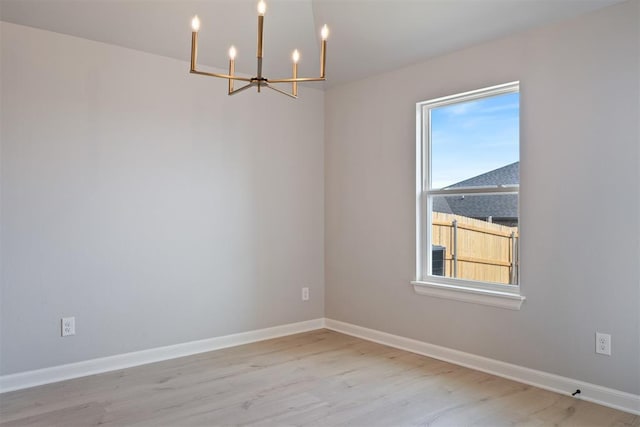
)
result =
(506, 175)
(501, 207)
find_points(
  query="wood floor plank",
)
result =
(319, 378)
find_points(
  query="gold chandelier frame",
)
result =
(259, 81)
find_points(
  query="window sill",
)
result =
(508, 300)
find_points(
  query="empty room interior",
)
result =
(320, 212)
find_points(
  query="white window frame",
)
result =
(493, 294)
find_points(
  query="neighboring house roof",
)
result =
(504, 206)
(440, 205)
(509, 174)
(482, 206)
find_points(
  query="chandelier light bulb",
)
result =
(262, 8)
(195, 24)
(232, 53)
(324, 33)
(295, 56)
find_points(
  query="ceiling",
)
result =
(367, 36)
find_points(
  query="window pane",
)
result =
(475, 237)
(471, 138)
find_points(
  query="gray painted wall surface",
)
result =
(147, 203)
(580, 200)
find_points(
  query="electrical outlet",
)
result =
(305, 294)
(603, 344)
(68, 326)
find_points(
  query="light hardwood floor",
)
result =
(319, 378)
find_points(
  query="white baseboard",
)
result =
(53, 374)
(590, 392)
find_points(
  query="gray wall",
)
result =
(147, 203)
(579, 200)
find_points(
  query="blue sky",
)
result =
(471, 138)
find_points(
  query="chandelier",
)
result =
(259, 81)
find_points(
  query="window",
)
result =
(468, 184)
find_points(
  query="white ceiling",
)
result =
(367, 36)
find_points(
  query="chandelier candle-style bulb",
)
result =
(232, 66)
(294, 85)
(195, 27)
(195, 24)
(262, 8)
(324, 33)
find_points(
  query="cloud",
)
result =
(482, 106)
(460, 109)
(514, 106)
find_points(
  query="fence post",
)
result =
(455, 247)
(514, 249)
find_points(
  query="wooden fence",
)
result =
(476, 250)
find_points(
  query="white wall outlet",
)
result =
(305, 294)
(68, 326)
(603, 344)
